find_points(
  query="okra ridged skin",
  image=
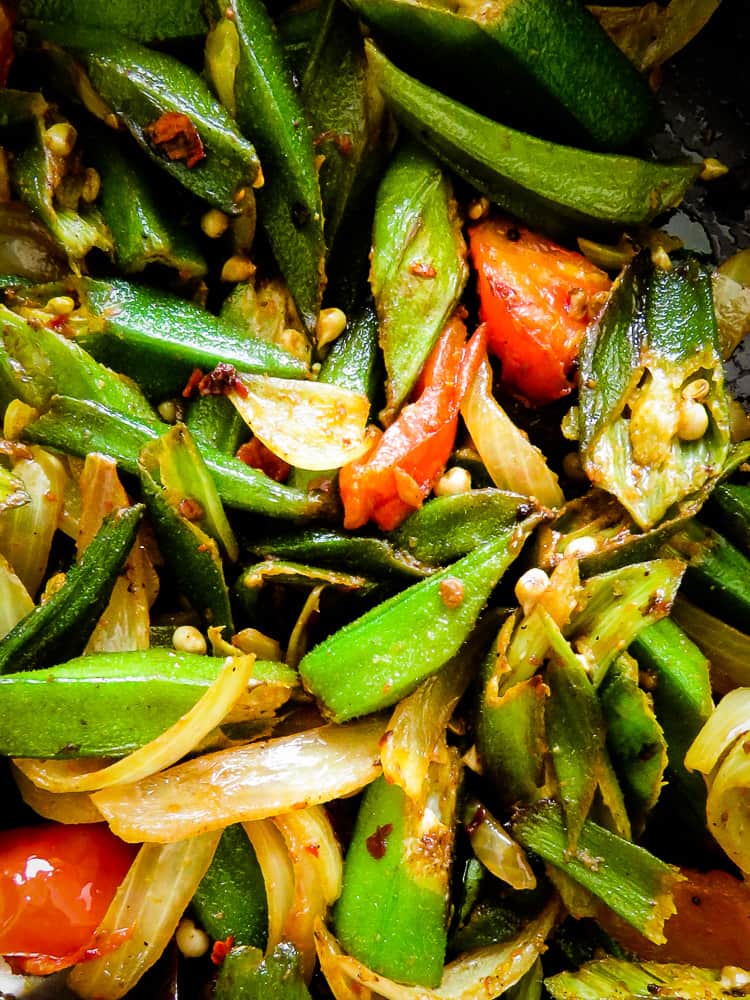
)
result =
(141, 20)
(246, 974)
(60, 627)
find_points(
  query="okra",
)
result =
(554, 53)
(727, 649)
(635, 739)
(145, 22)
(158, 339)
(654, 418)
(60, 627)
(79, 427)
(133, 205)
(553, 187)
(353, 361)
(231, 898)
(277, 571)
(110, 704)
(165, 105)
(728, 510)
(213, 422)
(376, 660)
(616, 977)
(247, 975)
(628, 878)
(246, 64)
(679, 683)
(393, 908)
(419, 267)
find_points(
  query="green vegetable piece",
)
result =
(630, 880)
(346, 113)
(419, 265)
(182, 523)
(246, 975)
(382, 656)
(353, 361)
(79, 427)
(618, 979)
(110, 704)
(654, 419)
(133, 206)
(140, 20)
(728, 510)
(231, 898)
(680, 687)
(296, 574)
(214, 422)
(635, 739)
(392, 912)
(258, 89)
(576, 84)
(553, 187)
(163, 103)
(46, 182)
(158, 339)
(298, 29)
(727, 649)
(446, 528)
(716, 574)
(60, 627)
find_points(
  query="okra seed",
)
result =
(192, 941)
(331, 324)
(167, 410)
(581, 547)
(693, 420)
(188, 639)
(60, 305)
(214, 223)
(60, 139)
(478, 208)
(573, 468)
(530, 587)
(454, 481)
(92, 184)
(237, 268)
(697, 389)
(293, 341)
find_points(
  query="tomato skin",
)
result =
(711, 927)
(536, 298)
(394, 477)
(56, 883)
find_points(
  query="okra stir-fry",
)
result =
(374, 514)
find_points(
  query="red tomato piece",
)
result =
(56, 884)
(537, 299)
(406, 461)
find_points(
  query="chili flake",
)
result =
(176, 135)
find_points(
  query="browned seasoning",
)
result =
(378, 841)
(177, 137)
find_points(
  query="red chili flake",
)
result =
(377, 842)
(421, 270)
(190, 509)
(220, 381)
(204, 547)
(221, 949)
(342, 141)
(192, 383)
(313, 849)
(255, 454)
(476, 820)
(451, 592)
(176, 135)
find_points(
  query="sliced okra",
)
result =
(171, 19)
(247, 973)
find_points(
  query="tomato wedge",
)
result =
(407, 459)
(536, 298)
(56, 883)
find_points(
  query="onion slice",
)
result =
(278, 875)
(329, 951)
(152, 899)
(311, 425)
(728, 721)
(182, 737)
(65, 807)
(255, 781)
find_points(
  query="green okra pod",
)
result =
(727, 649)
(393, 909)
(377, 659)
(110, 704)
(143, 21)
(277, 571)
(654, 418)
(214, 422)
(246, 974)
(231, 898)
(728, 510)
(60, 627)
(246, 63)
(165, 105)
(158, 339)
(79, 427)
(617, 978)
(547, 185)
(628, 878)
(143, 225)
(552, 51)
(419, 267)
(353, 361)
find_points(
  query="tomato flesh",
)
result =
(56, 884)
(536, 298)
